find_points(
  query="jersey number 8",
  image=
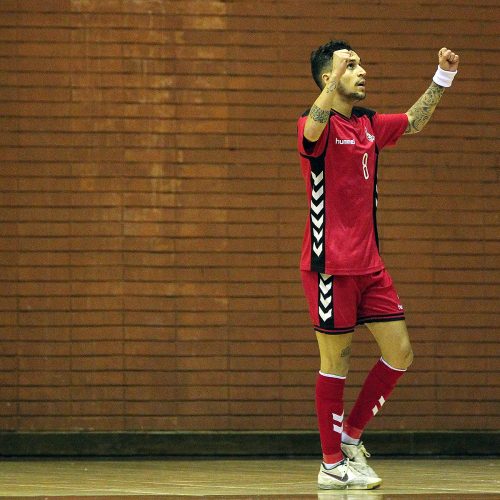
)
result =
(366, 174)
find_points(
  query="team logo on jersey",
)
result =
(369, 136)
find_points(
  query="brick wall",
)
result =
(152, 211)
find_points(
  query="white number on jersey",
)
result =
(366, 174)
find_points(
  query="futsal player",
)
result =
(344, 277)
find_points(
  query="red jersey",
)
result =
(340, 171)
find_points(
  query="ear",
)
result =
(325, 77)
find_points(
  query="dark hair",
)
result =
(321, 58)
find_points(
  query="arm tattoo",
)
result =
(318, 114)
(420, 113)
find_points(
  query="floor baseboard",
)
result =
(286, 444)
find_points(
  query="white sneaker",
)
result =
(357, 455)
(344, 476)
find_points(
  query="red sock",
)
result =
(330, 411)
(375, 391)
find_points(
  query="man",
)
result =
(344, 277)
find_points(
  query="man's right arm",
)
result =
(319, 113)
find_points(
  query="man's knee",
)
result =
(332, 366)
(335, 351)
(402, 359)
(408, 357)
(336, 363)
(394, 343)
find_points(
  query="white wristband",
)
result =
(443, 77)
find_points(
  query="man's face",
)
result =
(352, 82)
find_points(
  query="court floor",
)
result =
(243, 479)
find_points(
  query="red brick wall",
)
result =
(152, 211)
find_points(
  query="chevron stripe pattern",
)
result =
(318, 215)
(325, 300)
(338, 422)
(376, 408)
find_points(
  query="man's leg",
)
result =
(394, 343)
(335, 471)
(332, 305)
(334, 356)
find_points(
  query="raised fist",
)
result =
(340, 60)
(448, 60)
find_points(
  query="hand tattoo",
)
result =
(420, 113)
(318, 114)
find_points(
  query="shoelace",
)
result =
(361, 466)
(363, 450)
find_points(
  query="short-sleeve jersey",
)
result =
(340, 172)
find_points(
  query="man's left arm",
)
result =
(420, 113)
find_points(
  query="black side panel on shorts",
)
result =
(325, 301)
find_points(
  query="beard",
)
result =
(355, 96)
(358, 96)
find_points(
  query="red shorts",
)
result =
(338, 303)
